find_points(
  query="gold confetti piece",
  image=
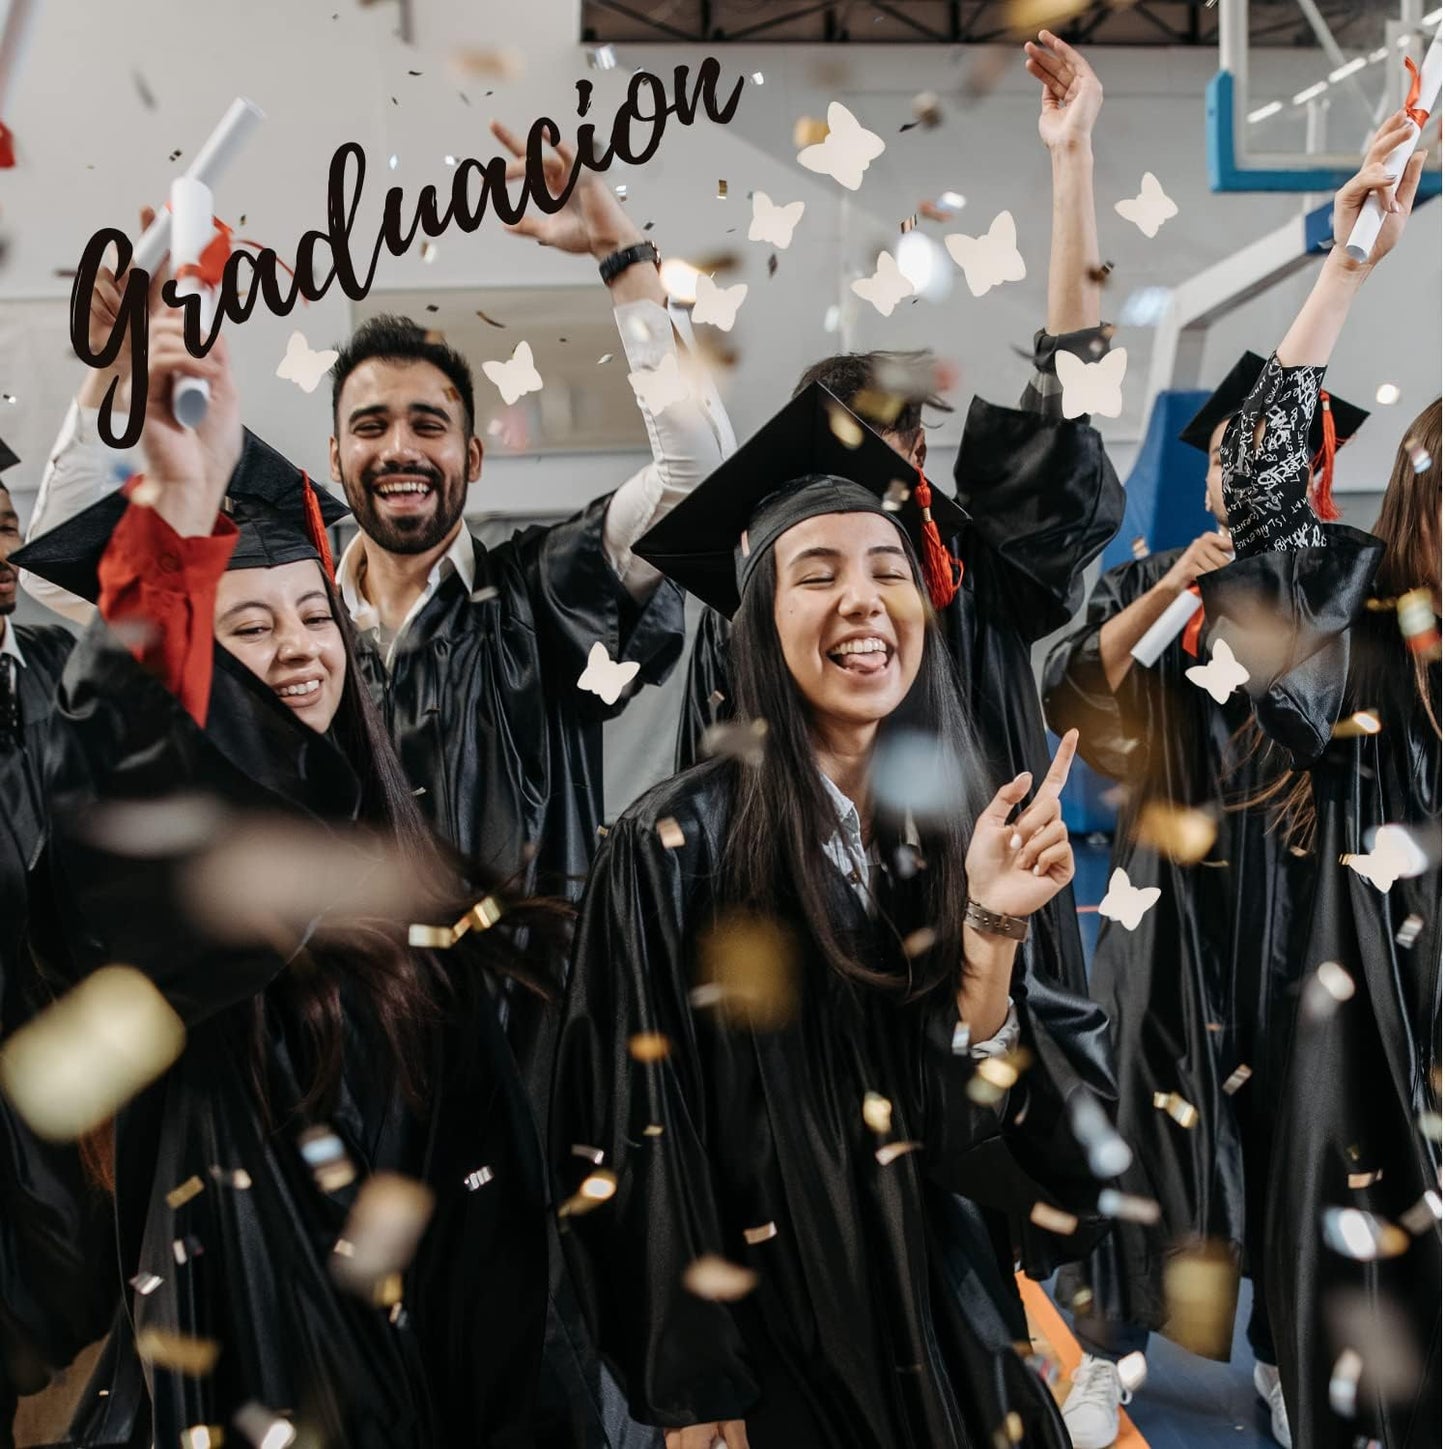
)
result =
(383, 1228)
(82, 1058)
(1362, 722)
(146, 493)
(203, 1436)
(187, 1248)
(809, 131)
(1184, 1113)
(1362, 1236)
(428, 251)
(1236, 1079)
(1140, 547)
(326, 1157)
(890, 1152)
(1133, 1369)
(1083, 1300)
(595, 1189)
(1025, 18)
(194, 1357)
(264, 1429)
(718, 1280)
(754, 1236)
(239, 1179)
(480, 1178)
(1330, 985)
(1345, 1383)
(488, 62)
(1125, 1205)
(434, 938)
(484, 915)
(1182, 833)
(878, 1113)
(894, 497)
(594, 1155)
(386, 1292)
(179, 1196)
(844, 426)
(1011, 1431)
(908, 224)
(1429, 1123)
(146, 1283)
(653, 1129)
(1053, 1220)
(1422, 1216)
(1201, 1289)
(722, 190)
(1001, 1072)
(735, 740)
(648, 1046)
(752, 961)
(1409, 931)
(1355, 1180)
(669, 832)
(1416, 612)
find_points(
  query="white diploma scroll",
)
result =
(192, 227)
(1167, 628)
(235, 128)
(1372, 215)
(19, 25)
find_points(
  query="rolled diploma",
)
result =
(220, 150)
(192, 227)
(1167, 628)
(1372, 214)
(19, 23)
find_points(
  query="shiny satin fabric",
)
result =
(1359, 1072)
(874, 1320)
(1193, 990)
(458, 1364)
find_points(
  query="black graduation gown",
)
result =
(1359, 1074)
(459, 1364)
(483, 704)
(55, 1289)
(1192, 990)
(1043, 501)
(874, 1320)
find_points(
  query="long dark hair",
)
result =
(781, 815)
(406, 990)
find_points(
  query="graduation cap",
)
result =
(8, 458)
(1335, 422)
(813, 457)
(280, 515)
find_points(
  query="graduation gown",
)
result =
(1043, 501)
(55, 1288)
(873, 1320)
(1193, 990)
(457, 1363)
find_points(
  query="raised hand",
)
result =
(731, 1434)
(1396, 192)
(1208, 552)
(1072, 95)
(105, 299)
(592, 222)
(189, 468)
(1015, 868)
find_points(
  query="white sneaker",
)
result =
(1269, 1388)
(1091, 1412)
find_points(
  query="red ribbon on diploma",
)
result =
(7, 148)
(1416, 113)
(1194, 628)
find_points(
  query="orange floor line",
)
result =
(1047, 1320)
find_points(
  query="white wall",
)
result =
(91, 153)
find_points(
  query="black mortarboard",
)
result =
(7, 458)
(280, 514)
(813, 457)
(1229, 397)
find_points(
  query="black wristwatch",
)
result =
(617, 262)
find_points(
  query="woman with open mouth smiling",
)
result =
(794, 1036)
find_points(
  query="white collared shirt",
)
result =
(846, 850)
(10, 641)
(460, 559)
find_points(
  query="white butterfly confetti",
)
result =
(657, 388)
(1221, 676)
(989, 259)
(1150, 209)
(772, 223)
(1396, 853)
(887, 287)
(604, 676)
(717, 306)
(1126, 903)
(844, 153)
(1092, 387)
(517, 376)
(303, 365)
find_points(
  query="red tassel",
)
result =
(942, 573)
(1194, 628)
(1324, 465)
(7, 148)
(316, 526)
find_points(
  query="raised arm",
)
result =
(690, 436)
